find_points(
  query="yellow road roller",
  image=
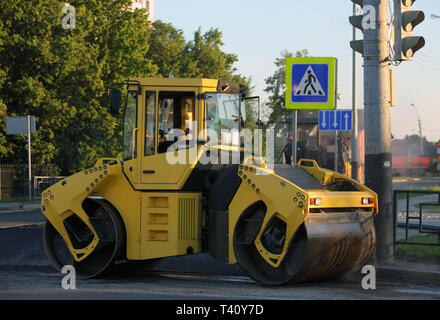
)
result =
(187, 184)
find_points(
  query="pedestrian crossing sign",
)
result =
(311, 83)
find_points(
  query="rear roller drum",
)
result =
(110, 248)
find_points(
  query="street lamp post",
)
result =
(420, 129)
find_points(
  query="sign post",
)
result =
(23, 125)
(310, 84)
(294, 137)
(29, 158)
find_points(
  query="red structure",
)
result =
(413, 163)
(438, 153)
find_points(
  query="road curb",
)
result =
(12, 206)
(413, 272)
(5, 225)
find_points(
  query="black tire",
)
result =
(253, 263)
(110, 248)
(55, 248)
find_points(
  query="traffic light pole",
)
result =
(377, 101)
(354, 134)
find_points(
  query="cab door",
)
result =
(131, 159)
(170, 137)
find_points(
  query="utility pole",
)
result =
(377, 101)
(354, 133)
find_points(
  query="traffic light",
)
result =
(367, 20)
(356, 21)
(405, 20)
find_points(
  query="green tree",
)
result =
(204, 57)
(61, 76)
(3, 146)
(276, 88)
(167, 45)
(201, 57)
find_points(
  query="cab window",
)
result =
(223, 118)
(130, 126)
(150, 122)
(176, 123)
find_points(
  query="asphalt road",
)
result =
(25, 273)
(16, 218)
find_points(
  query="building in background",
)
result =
(319, 145)
(437, 145)
(145, 4)
(408, 159)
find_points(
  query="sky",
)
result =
(257, 31)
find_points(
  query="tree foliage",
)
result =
(63, 76)
(200, 57)
(276, 87)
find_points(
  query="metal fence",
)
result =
(414, 215)
(43, 182)
(14, 180)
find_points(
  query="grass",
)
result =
(404, 178)
(433, 208)
(428, 189)
(402, 195)
(14, 199)
(419, 253)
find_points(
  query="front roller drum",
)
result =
(337, 244)
(327, 245)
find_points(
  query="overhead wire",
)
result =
(424, 59)
(429, 54)
(430, 67)
(322, 12)
(404, 124)
(432, 52)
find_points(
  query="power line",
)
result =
(431, 68)
(432, 50)
(322, 12)
(403, 125)
(428, 60)
(431, 55)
